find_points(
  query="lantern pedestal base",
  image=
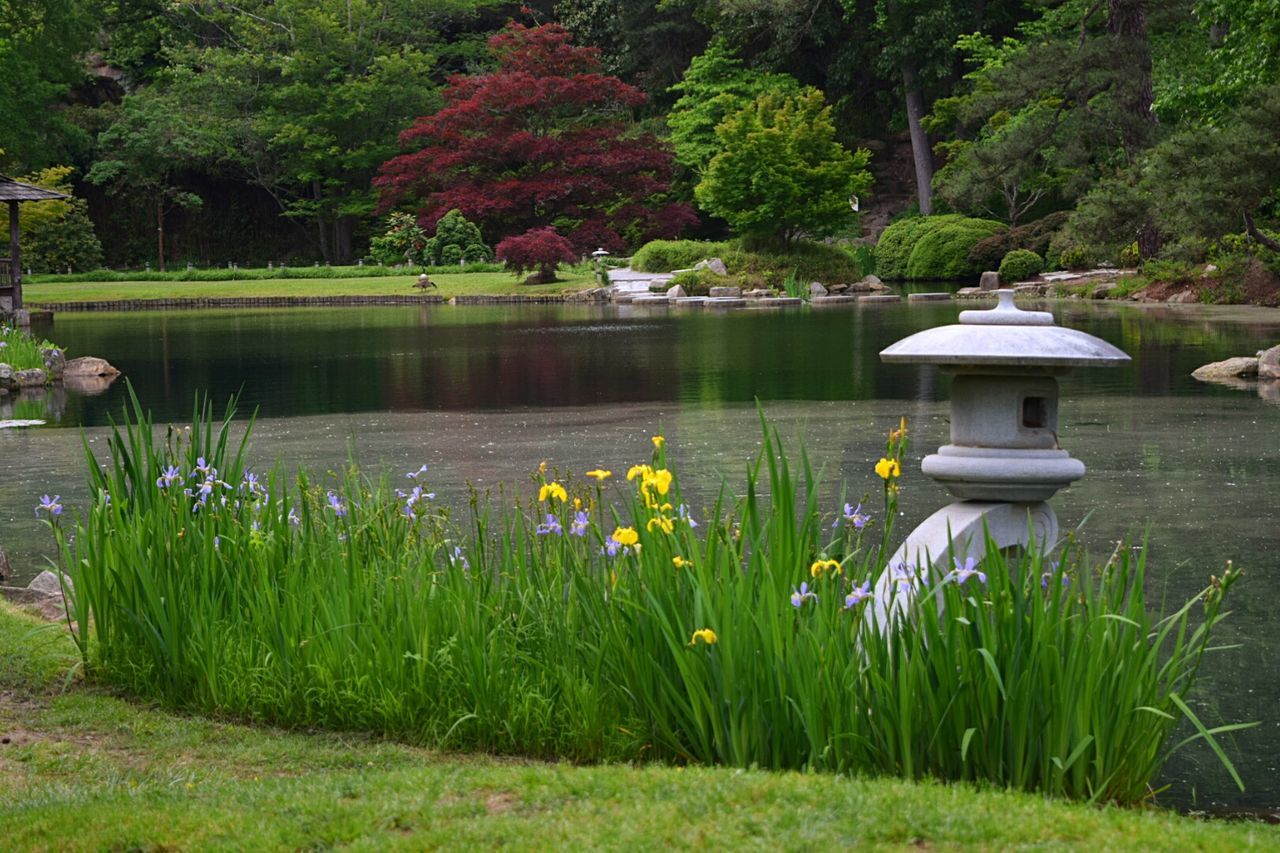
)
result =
(957, 532)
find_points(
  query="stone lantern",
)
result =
(599, 255)
(1004, 460)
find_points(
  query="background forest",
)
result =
(209, 132)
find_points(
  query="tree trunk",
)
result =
(921, 153)
(1127, 26)
(342, 240)
(1261, 239)
(15, 258)
(322, 230)
(160, 229)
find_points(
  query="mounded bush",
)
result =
(893, 251)
(942, 251)
(700, 282)
(823, 262)
(1020, 265)
(668, 255)
(989, 252)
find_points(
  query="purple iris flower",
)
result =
(413, 475)
(687, 515)
(858, 595)
(251, 484)
(904, 574)
(579, 525)
(336, 504)
(49, 505)
(801, 595)
(611, 546)
(853, 516)
(966, 570)
(293, 517)
(460, 558)
(551, 525)
(171, 477)
(204, 469)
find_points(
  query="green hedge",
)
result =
(1020, 265)
(810, 261)
(989, 252)
(942, 251)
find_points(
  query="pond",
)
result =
(483, 394)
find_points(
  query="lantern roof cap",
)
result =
(1005, 336)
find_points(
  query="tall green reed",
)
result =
(21, 350)
(601, 620)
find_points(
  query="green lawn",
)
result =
(84, 770)
(459, 284)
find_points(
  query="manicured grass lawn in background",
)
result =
(84, 770)
(449, 285)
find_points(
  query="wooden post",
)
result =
(15, 261)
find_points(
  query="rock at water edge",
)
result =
(990, 280)
(1231, 368)
(714, 264)
(1269, 363)
(816, 289)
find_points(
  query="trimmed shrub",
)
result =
(989, 252)
(893, 251)
(538, 249)
(668, 255)
(942, 252)
(814, 261)
(454, 240)
(1020, 265)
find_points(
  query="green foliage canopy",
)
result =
(57, 234)
(781, 173)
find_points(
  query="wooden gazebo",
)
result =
(15, 193)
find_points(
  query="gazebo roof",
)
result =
(11, 190)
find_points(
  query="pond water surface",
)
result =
(483, 394)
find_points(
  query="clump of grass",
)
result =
(600, 621)
(21, 350)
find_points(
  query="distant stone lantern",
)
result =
(1004, 460)
(599, 255)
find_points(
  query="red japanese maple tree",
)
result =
(546, 139)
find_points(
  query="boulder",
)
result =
(48, 583)
(730, 292)
(990, 280)
(1103, 290)
(32, 378)
(55, 361)
(868, 284)
(1269, 363)
(676, 292)
(714, 264)
(1232, 368)
(758, 293)
(87, 365)
(7, 382)
(837, 288)
(816, 289)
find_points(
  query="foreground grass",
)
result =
(83, 770)
(469, 284)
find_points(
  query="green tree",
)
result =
(715, 86)
(57, 235)
(42, 43)
(145, 149)
(781, 173)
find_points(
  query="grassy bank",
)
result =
(53, 292)
(83, 770)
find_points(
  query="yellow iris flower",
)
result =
(638, 471)
(626, 536)
(681, 562)
(552, 490)
(658, 441)
(706, 635)
(888, 469)
(600, 474)
(821, 566)
(661, 521)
